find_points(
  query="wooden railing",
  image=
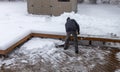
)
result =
(81, 37)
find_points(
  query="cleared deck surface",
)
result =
(111, 65)
(89, 59)
(85, 61)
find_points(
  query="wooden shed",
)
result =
(51, 7)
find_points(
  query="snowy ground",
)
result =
(93, 19)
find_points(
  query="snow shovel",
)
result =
(59, 46)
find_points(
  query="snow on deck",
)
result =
(16, 23)
(118, 56)
(40, 54)
(10, 36)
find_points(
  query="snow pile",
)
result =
(38, 46)
(33, 48)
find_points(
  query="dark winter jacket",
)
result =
(72, 25)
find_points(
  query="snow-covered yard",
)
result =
(16, 23)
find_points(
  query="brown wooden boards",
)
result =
(8, 50)
(82, 37)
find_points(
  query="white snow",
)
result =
(7, 62)
(33, 48)
(16, 23)
(117, 70)
(12, 36)
(118, 56)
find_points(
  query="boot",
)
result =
(76, 51)
(66, 47)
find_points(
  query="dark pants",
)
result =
(68, 39)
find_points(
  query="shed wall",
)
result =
(51, 7)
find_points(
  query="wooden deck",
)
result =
(88, 60)
(89, 38)
(8, 50)
(112, 63)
